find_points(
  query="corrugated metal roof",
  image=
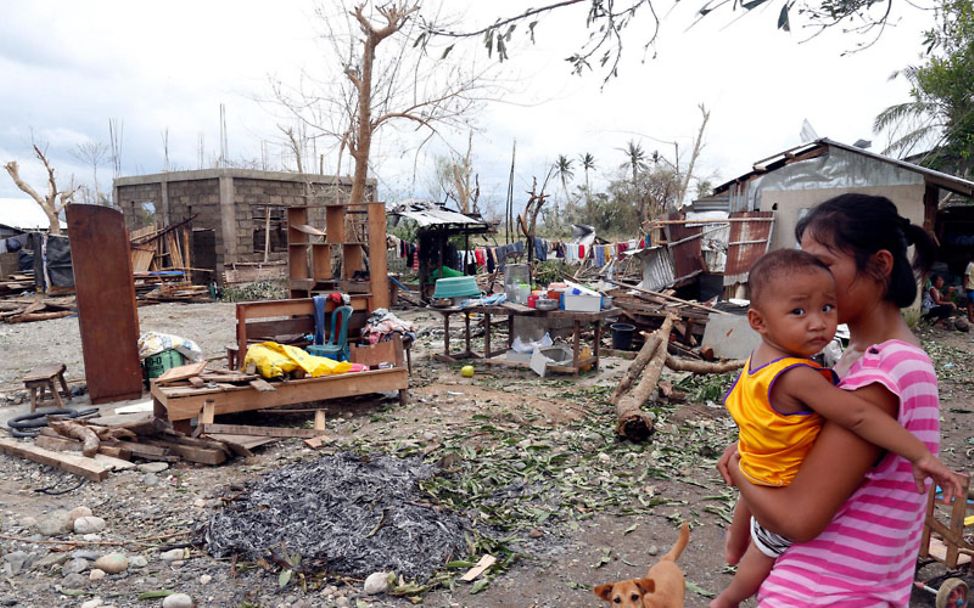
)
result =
(944, 180)
(684, 242)
(24, 214)
(426, 213)
(657, 268)
(748, 241)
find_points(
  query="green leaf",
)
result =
(446, 51)
(479, 586)
(630, 529)
(783, 23)
(752, 4)
(692, 586)
(284, 578)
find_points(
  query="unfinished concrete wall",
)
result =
(234, 204)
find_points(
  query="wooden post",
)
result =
(267, 233)
(319, 420)
(378, 264)
(206, 415)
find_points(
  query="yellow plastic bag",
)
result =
(274, 360)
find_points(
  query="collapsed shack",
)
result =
(345, 515)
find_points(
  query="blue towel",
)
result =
(319, 304)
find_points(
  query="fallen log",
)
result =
(645, 354)
(703, 367)
(89, 440)
(631, 422)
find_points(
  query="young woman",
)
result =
(934, 305)
(853, 511)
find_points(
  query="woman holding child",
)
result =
(853, 512)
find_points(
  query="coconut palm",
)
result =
(563, 169)
(588, 164)
(635, 159)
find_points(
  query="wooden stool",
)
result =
(41, 379)
(233, 356)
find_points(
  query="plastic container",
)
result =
(156, 365)
(456, 287)
(622, 334)
(516, 275)
(532, 300)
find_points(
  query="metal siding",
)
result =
(748, 241)
(684, 243)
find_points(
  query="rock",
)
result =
(91, 538)
(113, 563)
(376, 583)
(94, 602)
(28, 522)
(342, 602)
(961, 324)
(51, 559)
(653, 550)
(96, 575)
(74, 566)
(74, 581)
(205, 579)
(86, 554)
(138, 561)
(172, 555)
(77, 512)
(89, 524)
(177, 600)
(54, 524)
(16, 561)
(150, 479)
(153, 467)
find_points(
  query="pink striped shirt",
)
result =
(866, 556)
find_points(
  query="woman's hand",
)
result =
(730, 458)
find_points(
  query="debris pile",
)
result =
(343, 514)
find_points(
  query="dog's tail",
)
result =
(681, 544)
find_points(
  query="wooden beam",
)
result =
(192, 453)
(259, 431)
(89, 468)
(183, 372)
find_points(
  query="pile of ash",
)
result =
(345, 515)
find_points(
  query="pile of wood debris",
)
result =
(28, 309)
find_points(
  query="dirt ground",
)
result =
(606, 507)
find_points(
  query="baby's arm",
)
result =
(863, 419)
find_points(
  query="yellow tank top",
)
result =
(772, 445)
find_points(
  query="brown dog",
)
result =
(663, 586)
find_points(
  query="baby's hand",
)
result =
(950, 482)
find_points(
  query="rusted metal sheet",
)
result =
(750, 234)
(657, 268)
(684, 242)
(102, 261)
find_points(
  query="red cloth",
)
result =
(480, 255)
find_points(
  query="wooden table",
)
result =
(511, 310)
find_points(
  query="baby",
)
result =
(781, 397)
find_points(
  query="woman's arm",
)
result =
(833, 470)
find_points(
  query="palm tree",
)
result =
(588, 164)
(636, 162)
(563, 168)
(921, 118)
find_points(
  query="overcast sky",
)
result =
(68, 67)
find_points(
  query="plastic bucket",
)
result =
(622, 335)
(156, 365)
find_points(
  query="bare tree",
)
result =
(456, 177)
(54, 201)
(91, 153)
(403, 84)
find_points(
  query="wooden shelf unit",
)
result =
(351, 233)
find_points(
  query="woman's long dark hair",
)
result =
(861, 225)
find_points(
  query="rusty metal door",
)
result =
(750, 235)
(102, 260)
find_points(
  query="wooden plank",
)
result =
(261, 385)
(485, 562)
(378, 268)
(258, 431)
(89, 468)
(248, 441)
(116, 464)
(320, 421)
(242, 399)
(206, 416)
(191, 453)
(132, 422)
(373, 354)
(147, 452)
(306, 229)
(101, 258)
(182, 372)
(315, 442)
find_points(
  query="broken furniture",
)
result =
(102, 260)
(50, 380)
(578, 320)
(350, 231)
(278, 320)
(945, 541)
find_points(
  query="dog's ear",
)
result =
(646, 585)
(603, 591)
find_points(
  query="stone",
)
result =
(150, 479)
(28, 522)
(205, 579)
(343, 602)
(138, 561)
(54, 524)
(153, 467)
(74, 581)
(94, 602)
(113, 563)
(74, 566)
(51, 559)
(91, 538)
(77, 512)
(89, 524)
(172, 555)
(86, 554)
(653, 550)
(178, 600)
(16, 560)
(376, 583)
(96, 574)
